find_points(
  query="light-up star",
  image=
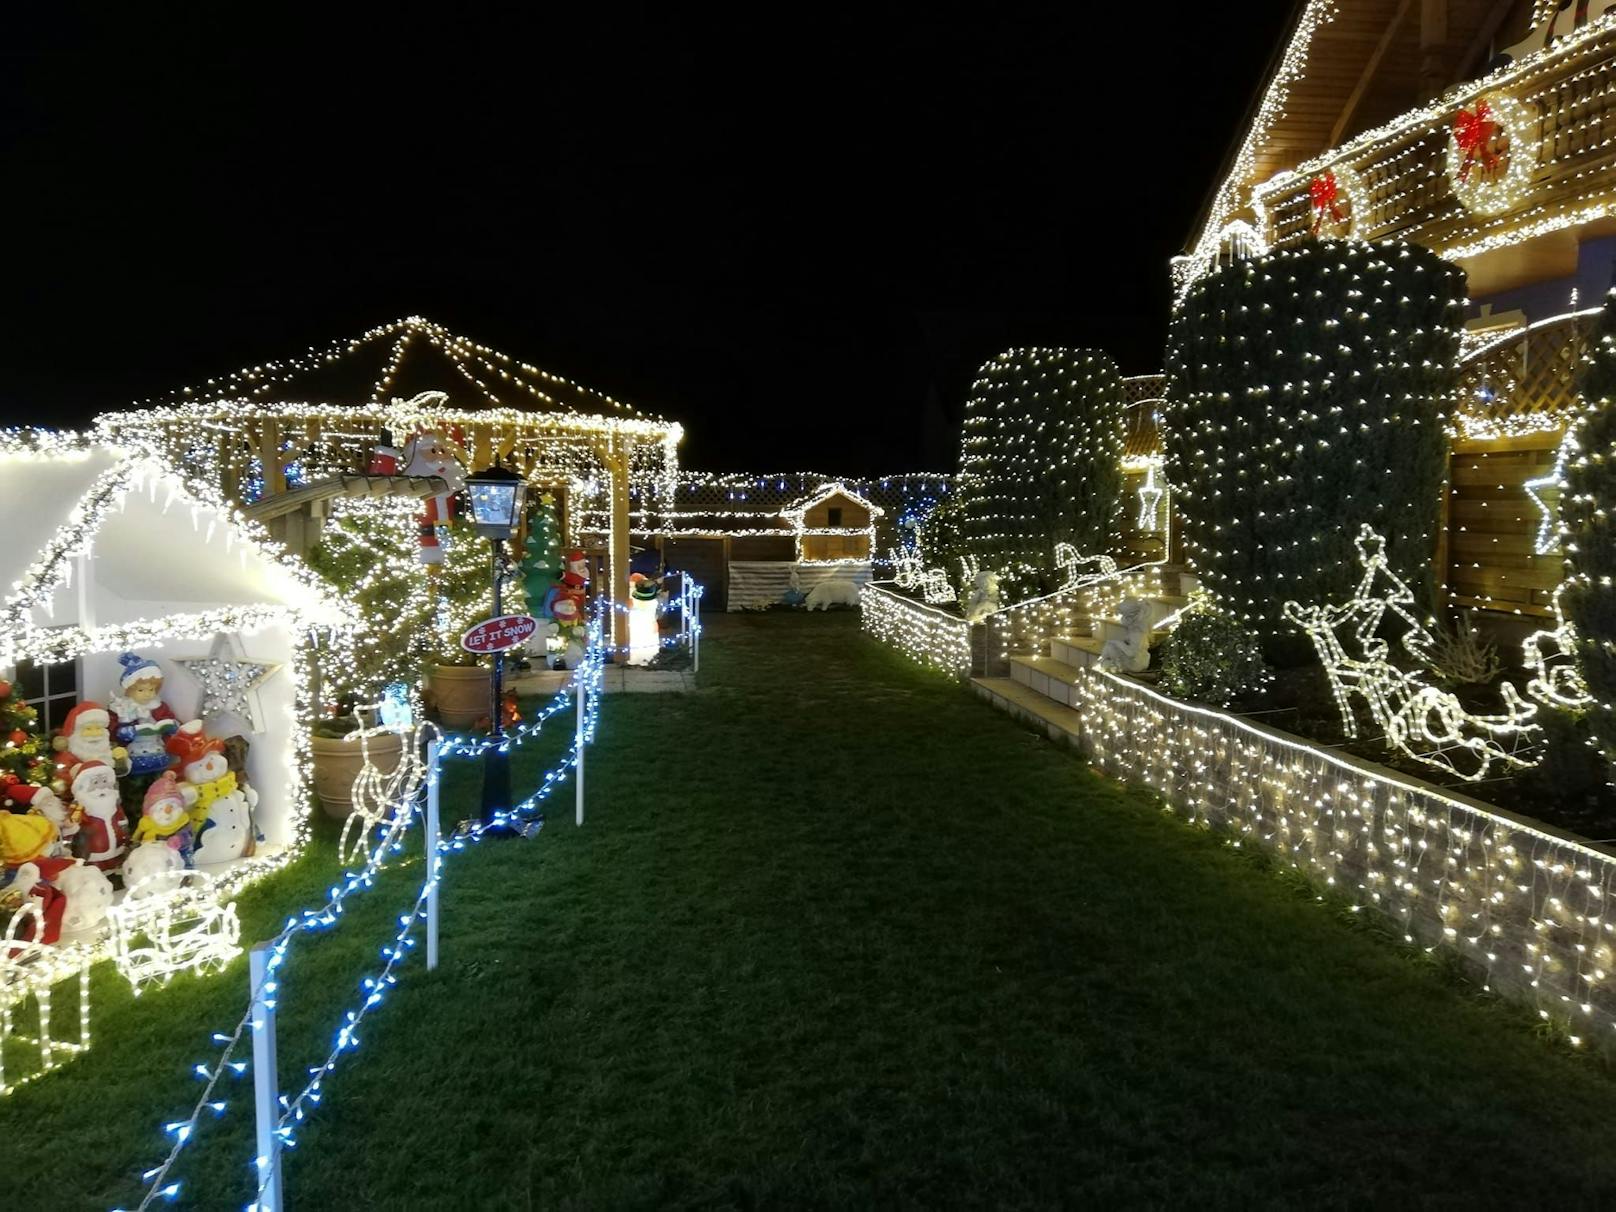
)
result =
(1548, 522)
(1150, 495)
(229, 681)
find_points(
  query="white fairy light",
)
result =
(159, 929)
(1424, 723)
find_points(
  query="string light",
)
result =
(1528, 906)
(1420, 721)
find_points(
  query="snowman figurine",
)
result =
(220, 804)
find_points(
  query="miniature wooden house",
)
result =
(833, 525)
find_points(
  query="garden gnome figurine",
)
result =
(1131, 653)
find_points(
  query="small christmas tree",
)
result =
(25, 754)
(541, 557)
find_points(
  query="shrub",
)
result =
(1462, 656)
(1307, 394)
(1586, 503)
(1212, 656)
(1041, 463)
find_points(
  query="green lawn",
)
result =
(837, 934)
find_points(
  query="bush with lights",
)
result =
(1212, 656)
(1041, 463)
(1589, 597)
(1308, 392)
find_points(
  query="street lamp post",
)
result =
(496, 496)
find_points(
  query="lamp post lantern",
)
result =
(496, 496)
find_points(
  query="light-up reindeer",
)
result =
(1398, 700)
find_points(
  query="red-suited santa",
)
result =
(103, 828)
(430, 454)
(86, 736)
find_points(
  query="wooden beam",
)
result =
(1482, 42)
(1368, 73)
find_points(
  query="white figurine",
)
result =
(832, 593)
(1130, 654)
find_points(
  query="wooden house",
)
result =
(833, 525)
(1369, 125)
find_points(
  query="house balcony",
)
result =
(1509, 199)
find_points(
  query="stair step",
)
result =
(1046, 676)
(1055, 721)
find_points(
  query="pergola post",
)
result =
(620, 452)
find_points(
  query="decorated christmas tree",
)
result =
(1588, 600)
(541, 557)
(25, 754)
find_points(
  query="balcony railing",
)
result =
(1395, 182)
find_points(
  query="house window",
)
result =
(52, 690)
(835, 514)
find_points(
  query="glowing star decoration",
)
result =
(1422, 722)
(1150, 498)
(31, 971)
(229, 681)
(1548, 523)
(1556, 681)
(1071, 563)
(174, 929)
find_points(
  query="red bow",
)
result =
(1323, 193)
(1473, 131)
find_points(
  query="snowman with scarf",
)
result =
(220, 804)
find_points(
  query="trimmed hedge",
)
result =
(1589, 597)
(1308, 391)
(1040, 463)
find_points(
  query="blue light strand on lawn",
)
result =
(374, 988)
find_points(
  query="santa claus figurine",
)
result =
(429, 454)
(103, 831)
(141, 721)
(86, 736)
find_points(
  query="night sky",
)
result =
(798, 233)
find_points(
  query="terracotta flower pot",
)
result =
(461, 693)
(337, 763)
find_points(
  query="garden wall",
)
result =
(1521, 903)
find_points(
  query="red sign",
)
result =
(496, 635)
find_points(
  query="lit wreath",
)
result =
(1337, 202)
(1492, 150)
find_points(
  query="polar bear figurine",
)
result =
(833, 593)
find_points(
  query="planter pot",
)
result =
(337, 763)
(461, 693)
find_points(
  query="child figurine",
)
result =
(141, 721)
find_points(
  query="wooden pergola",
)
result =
(264, 430)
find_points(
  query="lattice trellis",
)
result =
(1533, 375)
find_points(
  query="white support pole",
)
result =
(583, 704)
(434, 855)
(695, 635)
(266, 1084)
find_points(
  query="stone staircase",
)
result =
(1039, 688)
